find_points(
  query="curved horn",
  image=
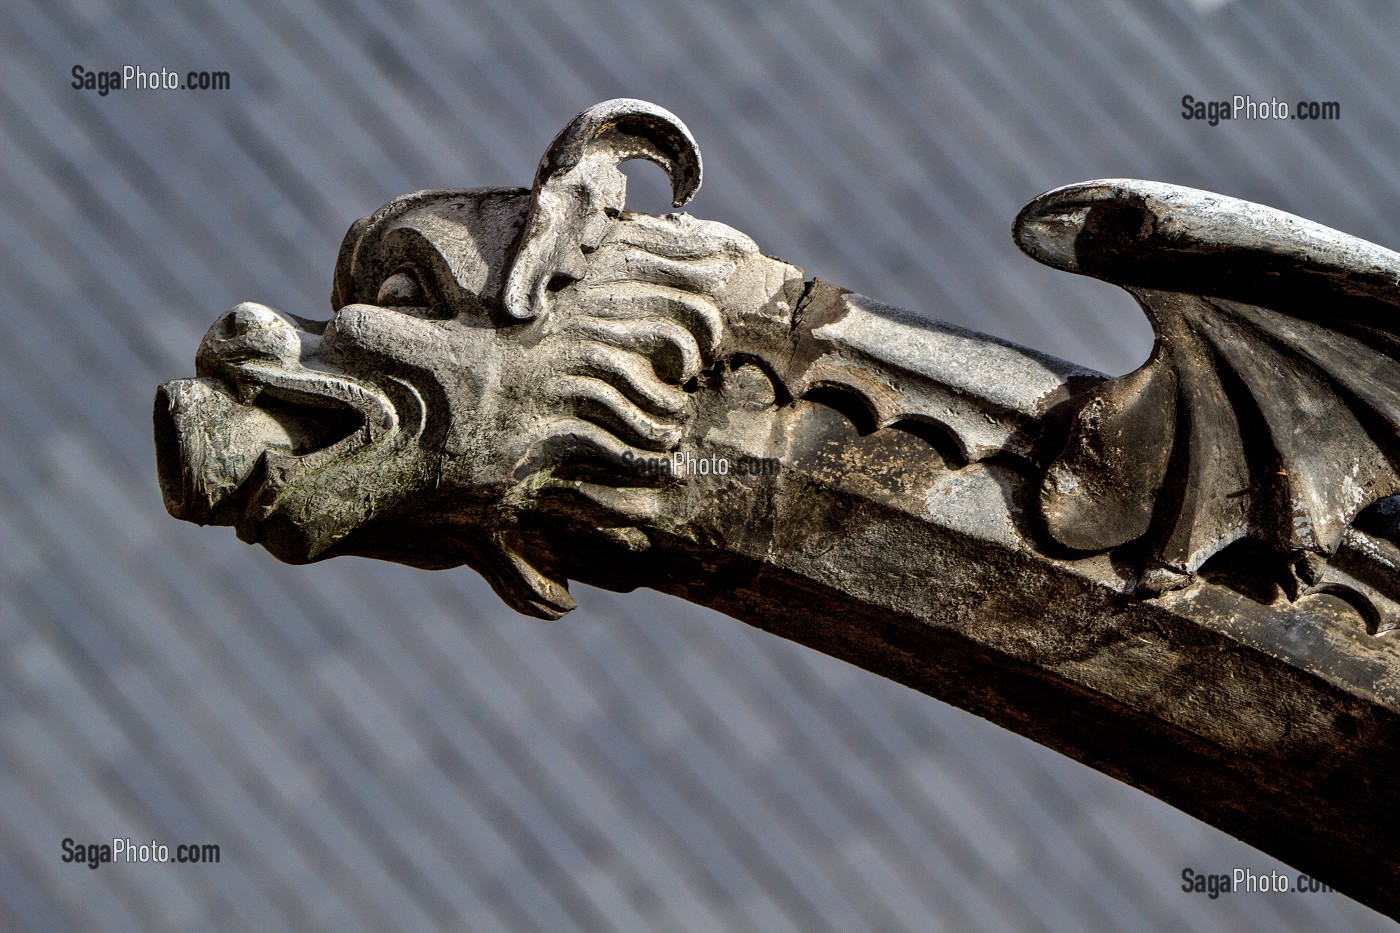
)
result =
(625, 129)
(578, 184)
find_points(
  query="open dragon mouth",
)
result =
(264, 412)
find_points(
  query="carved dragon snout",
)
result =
(266, 411)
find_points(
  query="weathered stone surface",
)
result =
(1182, 576)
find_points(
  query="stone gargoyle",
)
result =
(1177, 575)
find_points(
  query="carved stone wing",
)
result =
(1270, 405)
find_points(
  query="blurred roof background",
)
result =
(375, 747)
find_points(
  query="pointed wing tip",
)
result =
(1066, 226)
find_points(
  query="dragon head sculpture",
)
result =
(490, 350)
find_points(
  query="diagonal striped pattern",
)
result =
(378, 748)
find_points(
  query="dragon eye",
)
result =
(402, 290)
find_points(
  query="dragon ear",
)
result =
(578, 186)
(1272, 394)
